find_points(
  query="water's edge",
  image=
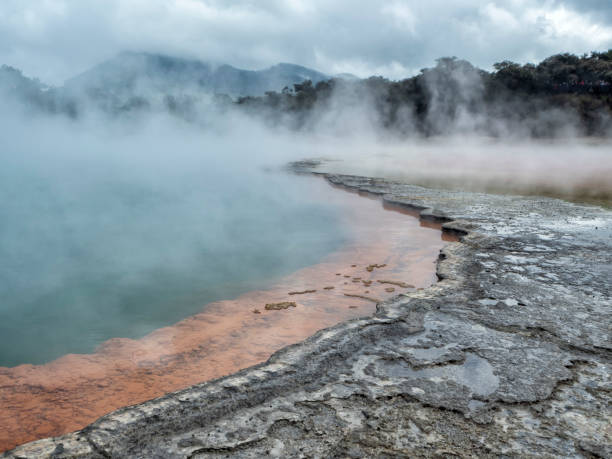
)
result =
(501, 308)
(226, 336)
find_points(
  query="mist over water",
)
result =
(118, 216)
(116, 227)
(108, 234)
(573, 169)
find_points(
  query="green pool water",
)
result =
(92, 249)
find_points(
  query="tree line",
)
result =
(563, 92)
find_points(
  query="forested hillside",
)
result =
(562, 94)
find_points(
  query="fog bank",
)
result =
(109, 214)
(117, 228)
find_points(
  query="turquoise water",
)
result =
(92, 249)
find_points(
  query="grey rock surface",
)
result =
(508, 355)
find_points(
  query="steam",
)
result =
(117, 227)
(574, 169)
(135, 197)
(463, 140)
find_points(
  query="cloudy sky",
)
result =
(56, 39)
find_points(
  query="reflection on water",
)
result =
(73, 391)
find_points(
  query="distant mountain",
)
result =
(132, 82)
(140, 74)
(30, 94)
(11, 79)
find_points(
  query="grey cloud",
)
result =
(56, 39)
(599, 9)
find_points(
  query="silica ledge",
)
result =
(508, 354)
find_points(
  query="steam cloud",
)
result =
(113, 191)
(115, 228)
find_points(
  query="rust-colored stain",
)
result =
(69, 393)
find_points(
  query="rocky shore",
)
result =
(507, 355)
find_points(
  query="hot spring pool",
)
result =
(98, 256)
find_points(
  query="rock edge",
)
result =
(507, 355)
